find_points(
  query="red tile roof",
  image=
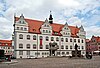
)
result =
(35, 25)
(96, 38)
(5, 42)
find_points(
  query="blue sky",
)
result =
(75, 12)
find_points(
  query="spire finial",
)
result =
(50, 18)
(50, 11)
(22, 16)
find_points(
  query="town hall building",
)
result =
(46, 38)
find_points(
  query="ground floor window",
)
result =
(28, 52)
(20, 52)
(37, 53)
(58, 53)
(67, 52)
(63, 53)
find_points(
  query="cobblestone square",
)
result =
(55, 63)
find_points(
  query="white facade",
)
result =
(28, 44)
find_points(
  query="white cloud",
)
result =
(62, 10)
(69, 3)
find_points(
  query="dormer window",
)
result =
(21, 28)
(23, 22)
(25, 29)
(20, 22)
(45, 25)
(17, 28)
(43, 31)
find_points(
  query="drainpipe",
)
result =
(37, 45)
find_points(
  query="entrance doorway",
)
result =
(78, 53)
(52, 52)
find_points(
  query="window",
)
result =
(78, 47)
(67, 52)
(8, 47)
(62, 47)
(63, 53)
(21, 28)
(23, 22)
(20, 45)
(78, 40)
(70, 40)
(34, 37)
(20, 52)
(28, 46)
(57, 39)
(66, 39)
(58, 53)
(28, 52)
(28, 37)
(20, 36)
(34, 46)
(41, 37)
(41, 47)
(47, 25)
(74, 40)
(82, 41)
(42, 53)
(25, 29)
(66, 47)
(47, 46)
(82, 47)
(20, 22)
(52, 38)
(47, 38)
(49, 31)
(43, 31)
(62, 39)
(70, 47)
(17, 28)
(46, 31)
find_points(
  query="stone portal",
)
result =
(53, 47)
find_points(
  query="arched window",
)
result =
(70, 40)
(28, 46)
(20, 45)
(82, 47)
(34, 46)
(47, 38)
(62, 39)
(70, 47)
(82, 41)
(47, 46)
(66, 39)
(28, 37)
(20, 36)
(52, 38)
(62, 47)
(41, 37)
(78, 40)
(34, 37)
(66, 47)
(57, 39)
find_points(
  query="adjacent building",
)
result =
(46, 38)
(6, 45)
(93, 44)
